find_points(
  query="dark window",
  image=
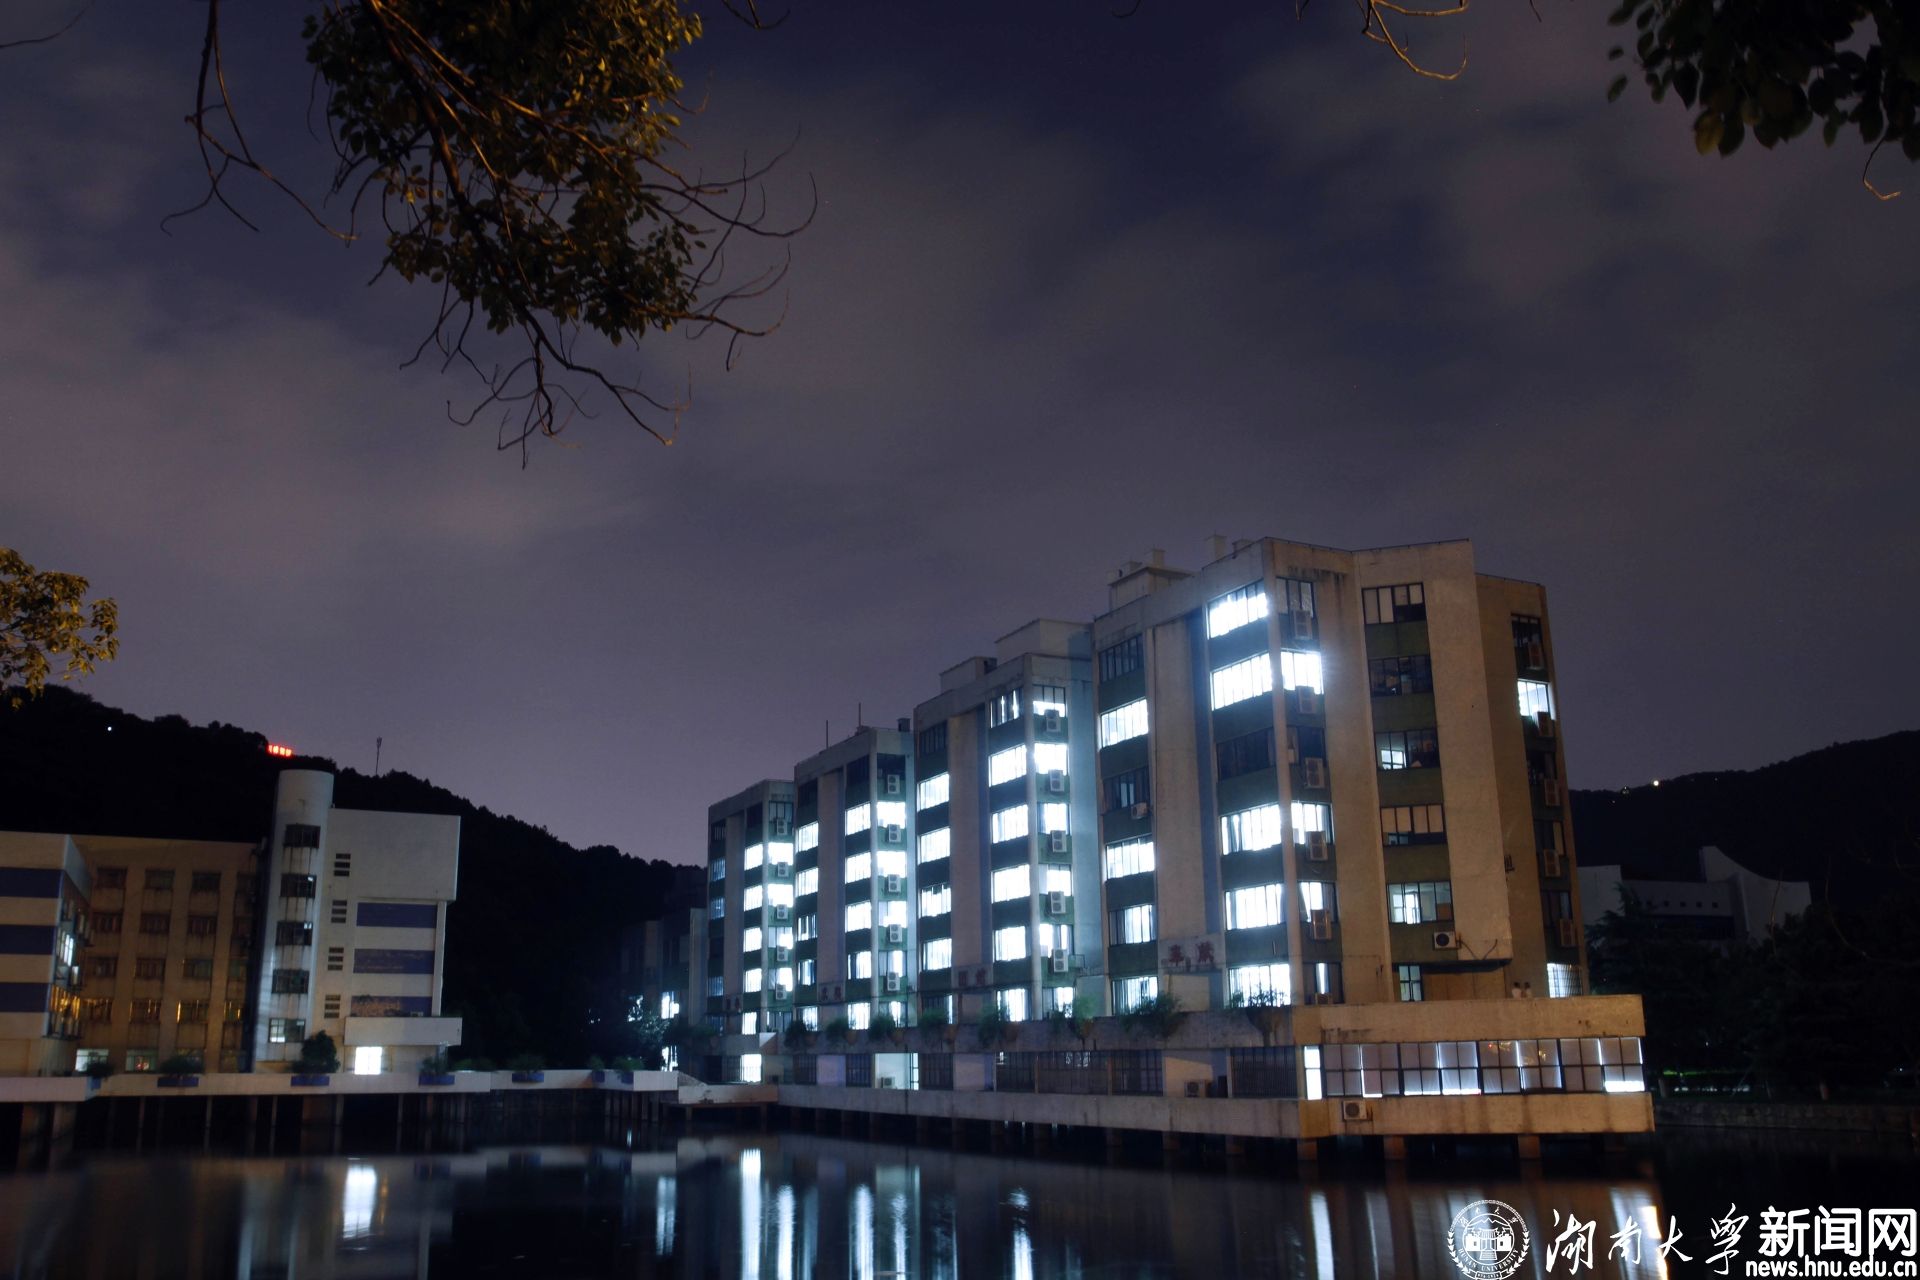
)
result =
(198, 969)
(1248, 753)
(103, 966)
(1295, 596)
(301, 835)
(155, 922)
(1404, 603)
(98, 1011)
(859, 1070)
(244, 887)
(206, 882)
(286, 1030)
(342, 865)
(106, 921)
(858, 772)
(336, 959)
(202, 926)
(936, 1071)
(808, 793)
(293, 933)
(339, 911)
(933, 739)
(804, 1068)
(1557, 905)
(1529, 643)
(193, 1011)
(296, 886)
(1413, 824)
(145, 1011)
(290, 981)
(1305, 740)
(1137, 1071)
(1547, 834)
(1392, 676)
(235, 1010)
(1119, 659)
(1123, 791)
(1013, 1072)
(330, 1007)
(1413, 749)
(1264, 1072)
(159, 878)
(152, 968)
(110, 878)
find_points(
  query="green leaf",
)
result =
(1706, 132)
(1618, 87)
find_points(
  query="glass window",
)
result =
(751, 938)
(1404, 603)
(1129, 857)
(1131, 924)
(935, 845)
(858, 819)
(1120, 659)
(1124, 790)
(1391, 677)
(1412, 749)
(1058, 879)
(1536, 698)
(859, 866)
(1311, 817)
(1422, 903)
(1408, 976)
(1301, 669)
(1236, 609)
(1049, 700)
(1010, 943)
(1053, 817)
(807, 881)
(860, 964)
(779, 853)
(1413, 824)
(1003, 708)
(1130, 993)
(1010, 824)
(750, 897)
(1050, 757)
(937, 900)
(1123, 722)
(1317, 895)
(890, 862)
(1005, 766)
(807, 837)
(1250, 830)
(1248, 678)
(1257, 906)
(937, 953)
(1248, 753)
(1262, 982)
(890, 813)
(931, 791)
(1010, 883)
(1563, 980)
(750, 980)
(752, 856)
(859, 916)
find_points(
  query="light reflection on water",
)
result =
(788, 1207)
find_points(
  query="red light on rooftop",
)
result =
(280, 749)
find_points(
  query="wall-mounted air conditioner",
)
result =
(1056, 842)
(1056, 783)
(1355, 1109)
(1308, 700)
(1056, 904)
(1058, 962)
(1316, 846)
(1141, 810)
(896, 933)
(1445, 940)
(1313, 772)
(894, 784)
(892, 884)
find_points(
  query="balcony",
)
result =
(391, 1032)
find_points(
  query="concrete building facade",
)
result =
(1722, 901)
(44, 892)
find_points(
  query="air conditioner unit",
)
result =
(1051, 722)
(896, 933)
(1445, 940)
(1316, 846)
(783, 871)
(894, 783)
(1056, 842)
(1355, 1109)
(1536, 656)
(1302, 624)
(1313, 772)
(782, 826)
(782, 912)
(1056, 904)
(1552, 863)
(1543, 722)
(1569, 933)
(1141, 810)
(782, 955)
(1056, 783)
(1308, 700)
(894, 834)
(892, 884)
(893, 979)
(1550, 792)
(1058, 962)
(1322, 927)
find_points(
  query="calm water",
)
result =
(775, 1206)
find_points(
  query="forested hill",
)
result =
(1842, 818)
(532, 942)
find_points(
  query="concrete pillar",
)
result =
(140, 1125)
(1529, 1146)
(206, 1126)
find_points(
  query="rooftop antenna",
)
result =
(376, 755)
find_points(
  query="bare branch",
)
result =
(51, 35)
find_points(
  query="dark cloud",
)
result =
(1074, 288)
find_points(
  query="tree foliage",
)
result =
(1774, 67)
(44, 617)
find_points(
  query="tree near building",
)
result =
(45, 618)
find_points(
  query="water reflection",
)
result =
(783, 1207)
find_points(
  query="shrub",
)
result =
(99, 1068)
(434, 1066)
(319, 1056)
(596, 1063)
(837, 1030)
(1159, 1017)
(527, 1062)
(881, 1026)
(180, 1064)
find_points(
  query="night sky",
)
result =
(1077, 287)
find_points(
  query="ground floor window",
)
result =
(1128, 993)
(1563, 980)
(1411, 987)
(367, 1060)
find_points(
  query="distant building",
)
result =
(44, 892)
(354, 929)
(1724, 902)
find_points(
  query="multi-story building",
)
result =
(1007, 895)
(168, 966)
(44, 891)
(1721, 902)
(749, 960)
(354, 930)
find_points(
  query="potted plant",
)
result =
(838, 1030)
(881, 1028)
(797, 1038)
(528, 1068)
(181, 1071)
(1157, 1016)
(1265, 1012)
(623, 1069)
(436, 1070)
(96, 1071)
(319, 1059)
(596, 1068)
(993, 1028)
(935, 1026)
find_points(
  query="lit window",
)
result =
(1055, 937)
(806, 926)
(1409, 749)
(807, 837)
(750, 898)
(1412, 988)
(807, 881)
(1317, 895)
(859, 916)
(807, 971)
(1123, 722)
(751, 939)
(1563, 980)
(750, 981)
(749, 1025)
(1010, 824)
(810, 1017)
(1256, 907)
(779, 895)
(890, 813)
(1010, 883)
(1236, 609)
(1053, 817)
(1129, 858)
(1536, 697)
(1005, 766)
(1300, 669)
(1421, 903)
(1004, 708)
(931, 791)
(1013, 1003)
(1131, 993)
(752, 856)
(1010, 943)
(1050, 757)
(935, 845)
(859, 818)
(860, 964)
(937, 954)
(859, 867)
(1272, 982)
(717, 872)
(1311, 817)
(894, 913)
(717, 908)
(859, 1013)
(1132, 924)
(366, 1060)
(1250, 830)
(1049, 700)
(1248, 678)
(937, 901)
(1058, 880)
(897, 964)
(779, 853)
